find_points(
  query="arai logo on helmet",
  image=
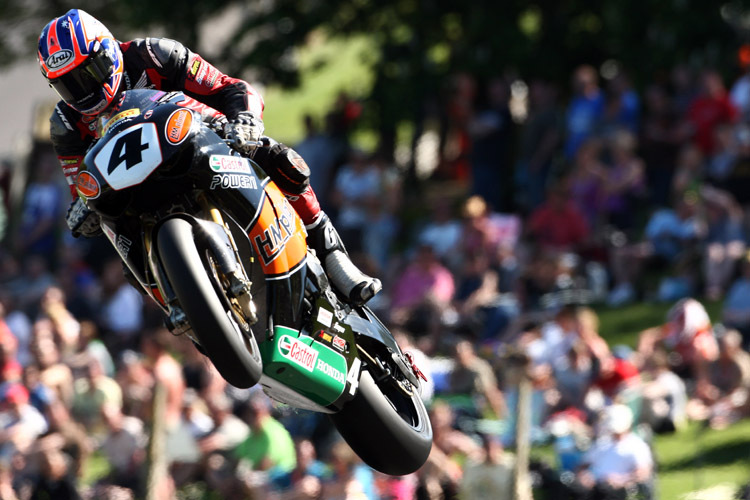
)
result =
(59, 59)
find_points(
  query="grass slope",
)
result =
(695, 463)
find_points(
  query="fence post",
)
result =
(156, 458)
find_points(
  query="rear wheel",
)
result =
(389, 430)
(234, 352)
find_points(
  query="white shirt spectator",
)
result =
(610, 458)
(442, 237)
(122, 312)
(119, 447)
(356, 186)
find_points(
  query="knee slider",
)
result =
(285, 167)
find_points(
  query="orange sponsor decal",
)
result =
(178, 126)
(278, 235)
(87, 185)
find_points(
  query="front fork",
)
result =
(225, 265)
(239, 284)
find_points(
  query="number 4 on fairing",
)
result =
(137, 148)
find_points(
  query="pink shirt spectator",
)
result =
(425, 278)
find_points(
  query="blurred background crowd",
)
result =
(546, 205)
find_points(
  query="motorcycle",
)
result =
(213, 241)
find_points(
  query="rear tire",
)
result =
(235, 355)
(390, 441)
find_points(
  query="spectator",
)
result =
(624, 183)
(587, 183)
(166, 371)
(73, 438)
(473, 376)
(121, 309)
(382, 223)
(66, 327)
(55, 480)
(20, 423)
(19, 325)
(35, 280)
(137, 382)
(690, 171)
(491, 477)
(40, 396)
(736, 307)
(619, 460)
(422, 292)
(321, 153)
(737, 180)
(585, 110)
(182, 442)
(269, 447)
(306, 479)
(721, 163)
(490, 131)
(123, 446)
(540, 139)
(92, 392)
(53, 372)
(665, 395)
(661, 136)
(615, 375)
(723, 395)
(740, 93)
(356, 184)
(623, 106)
(10, 368)
(670, 234)
(41, 212)
(709, 109)
(441, 475)
(689, 334)
(443, 232)
(351, 479)
(228, 431)
(477, 299)
(724, 242)
(557, 224)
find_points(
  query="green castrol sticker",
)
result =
(311, 368)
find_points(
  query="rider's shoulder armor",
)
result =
(69, 135)
(163, 56)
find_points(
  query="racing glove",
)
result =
(243, 132)
(82, 221)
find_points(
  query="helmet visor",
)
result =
(81, 87)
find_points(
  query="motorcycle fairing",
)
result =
(278, 235)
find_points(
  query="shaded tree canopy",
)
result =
(421, 43)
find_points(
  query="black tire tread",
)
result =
(203, 308)
(381, 438)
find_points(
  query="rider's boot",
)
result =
(344, 275)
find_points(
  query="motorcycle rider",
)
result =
(89, 69)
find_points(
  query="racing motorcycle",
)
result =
(213, 241)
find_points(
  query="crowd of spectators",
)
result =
(528, 222)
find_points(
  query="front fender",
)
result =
(206, 233)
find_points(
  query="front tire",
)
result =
(235, 355)
(390, 431)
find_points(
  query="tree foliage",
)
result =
(422, 43)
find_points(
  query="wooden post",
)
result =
(522, 484)
(156, 457)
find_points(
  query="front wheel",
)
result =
(234, 353)
(389, 430)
